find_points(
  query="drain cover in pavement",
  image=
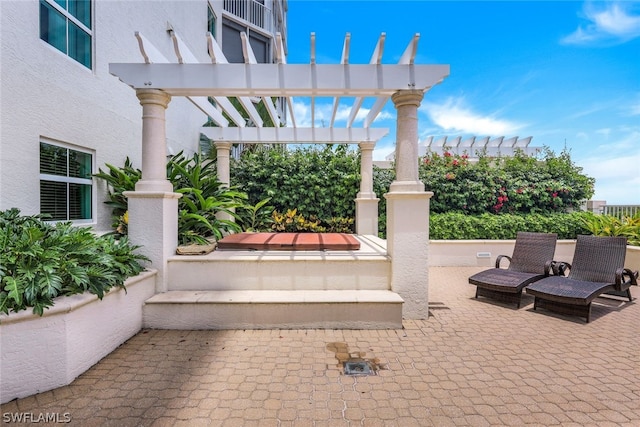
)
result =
(357, 368)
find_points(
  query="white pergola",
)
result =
(153, 206)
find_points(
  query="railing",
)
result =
(252, 11)
(621, 210)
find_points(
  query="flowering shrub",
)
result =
(518, 184)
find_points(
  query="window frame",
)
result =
(211, 13)
(69, 17)
(69, 180)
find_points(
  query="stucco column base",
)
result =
(406, 187)
(163, 186)
(367, 216)
(153, 224)
(408, 247)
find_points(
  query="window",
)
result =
(66, 25)
(232, 43)
(211, 21)
(66, 186)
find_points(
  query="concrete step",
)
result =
(274, 309)
(368, 268)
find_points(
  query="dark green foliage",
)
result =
(459, 226)
(40, 261)
(319, 182)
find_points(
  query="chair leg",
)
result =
(535, 303)
(588, 312)
(629, 294)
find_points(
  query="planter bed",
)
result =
(43, 353)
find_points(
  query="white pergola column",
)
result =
(154, 146)
(153, 206)
(223, 151)
(366, 200)
(407, 103)
(408, 213)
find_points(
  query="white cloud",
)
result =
(617, 178)
(614, 165)
(612, 22)
(453, 117)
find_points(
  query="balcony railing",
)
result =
(251, 11)
(621, 210)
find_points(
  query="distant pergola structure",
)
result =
(153, 205)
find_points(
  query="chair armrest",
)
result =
(623, 284)
(499, 258)
(549, 268)
(558, 268)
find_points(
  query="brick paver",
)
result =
(472, 363)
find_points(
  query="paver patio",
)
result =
(472, 363)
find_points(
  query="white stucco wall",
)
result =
(44, 93)
(41, 353)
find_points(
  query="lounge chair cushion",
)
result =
(569, 291)
(504, 280)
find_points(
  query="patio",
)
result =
(473, 362)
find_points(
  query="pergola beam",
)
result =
(275, 80)
(287, 135)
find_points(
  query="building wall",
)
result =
(46, 94)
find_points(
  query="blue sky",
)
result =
(565, 73)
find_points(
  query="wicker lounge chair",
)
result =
(531, 261)
(597, 269)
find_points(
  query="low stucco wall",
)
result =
(42, 353)
(483, 253)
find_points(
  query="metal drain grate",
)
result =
(358, 368)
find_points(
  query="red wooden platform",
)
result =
(289, 242)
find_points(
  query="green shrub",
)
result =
(320, 182)
(458, 226)
(40, 261)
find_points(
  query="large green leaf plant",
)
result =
(40, 261)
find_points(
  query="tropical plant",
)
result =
(119, 180)
(40, 261)
(199, 217)
(258, 217)
(292, 221)
(607, 225)
(204, 197)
